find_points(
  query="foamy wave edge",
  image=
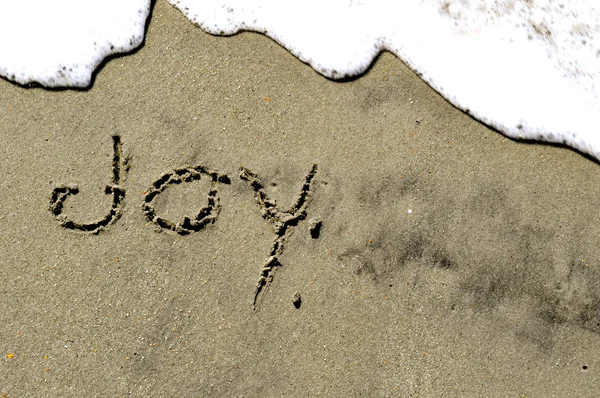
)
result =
(528, 71)
(61, 43)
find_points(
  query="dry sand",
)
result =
(451, 260)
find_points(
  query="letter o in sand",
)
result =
(206, 215)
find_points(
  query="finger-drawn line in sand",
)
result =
(62, 192)
(314, 226)
(297, 300)
(206, 215)
(283, 221)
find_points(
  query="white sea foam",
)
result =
(530, 69)
(60, 43)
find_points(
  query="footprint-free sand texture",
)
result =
(447, 261)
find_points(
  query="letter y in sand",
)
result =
(283, 222)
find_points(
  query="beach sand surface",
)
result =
(451, 260)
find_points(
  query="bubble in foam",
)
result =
(60, 43)
(528, 69)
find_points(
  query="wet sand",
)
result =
(451, 261)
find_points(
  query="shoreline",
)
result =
(451, 260)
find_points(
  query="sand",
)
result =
(451, 260)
